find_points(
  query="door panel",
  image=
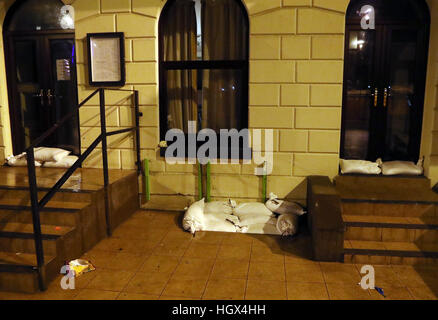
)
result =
(28, 96)
(401, 102)
(62, 97)
(42, 88)
(359, 93)
(384, 82)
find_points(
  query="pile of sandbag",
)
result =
(45, 157)
(276, 217)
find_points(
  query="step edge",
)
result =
(392, 253)
(391, 225)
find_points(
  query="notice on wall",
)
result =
(63, 70)
(105, 60)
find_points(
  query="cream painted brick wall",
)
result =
(296, 72)
(115, 6)
(265, 47)
(271, 117)
(280, 21)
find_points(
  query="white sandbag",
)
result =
(218, 222)
(20, 161)
(402, 168)
(284, 207)
(262, 228)
(359, 166)
(250, 219)
(225, 207)
(44, 154)
(287, 224)
(194, 219)
(251, 208)
(67, 162)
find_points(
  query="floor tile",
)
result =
(202, 250)
(391, 293)
(266, 271)
(126, 261)
(172, 249)
(193, 269)
(230, 269)
(209, 237)
(306, 291)
(266, 254)
(92, 294)
(110, 280)
(339, 291)
(344, 274)
(304, 273)
(147, 283)
(234, 252)
(424, 293)
(225, 290)
(266, 290)
(162, 264)
(185, 288)
(136, 296)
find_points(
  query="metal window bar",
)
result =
(37, 206)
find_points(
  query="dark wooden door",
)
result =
(42, 87)
(384, 83)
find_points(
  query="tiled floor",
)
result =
(151, 257)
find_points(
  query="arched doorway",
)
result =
(41, 73)
(384, 79)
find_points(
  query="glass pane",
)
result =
(401, 102)
(204, 30)
(387, 9)
(64, 92)
(182, 98)
(40, 15)
(359, 78)
(222, 99)
(32, 120)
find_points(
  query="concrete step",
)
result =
(373, 208)
(379, 252)
(61, 241)
(400, 229)
(24, 204)
(63, 195)
(18, 272)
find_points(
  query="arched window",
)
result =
(37, 15)
(203, 65)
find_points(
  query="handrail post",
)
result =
(105, 159)
(137, 129)
(36, 217)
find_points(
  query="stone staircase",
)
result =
(71, 224)
(389, 220)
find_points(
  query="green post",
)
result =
(208, 182)
(200, 193)
(147, 186)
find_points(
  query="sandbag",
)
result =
(218, 222)
(44, 154)
(67, 162)
(262, 228)
(225, 207)
(20, 161)
(287, 224)
(284, 207)
(359, 166)
(194, 219)
(251, 208)
(248, 220)
(402, 168)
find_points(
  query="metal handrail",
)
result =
(37, 206)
